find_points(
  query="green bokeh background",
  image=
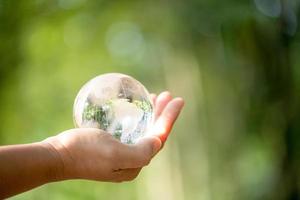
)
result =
(236, 64)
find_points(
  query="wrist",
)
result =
(56, 170)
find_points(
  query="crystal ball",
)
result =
(115, 103)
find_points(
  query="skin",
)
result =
(85, 153)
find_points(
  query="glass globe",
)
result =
(115, 103)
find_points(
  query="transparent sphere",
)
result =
(116, 103)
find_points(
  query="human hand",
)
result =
(93, 154)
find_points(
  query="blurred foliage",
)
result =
(234, 62)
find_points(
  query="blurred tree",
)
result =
(243, 129)
(10, 34)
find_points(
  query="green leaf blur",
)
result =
(234, 62)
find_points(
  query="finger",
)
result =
(165, 122)
(161, 101)
(139, 154)
(126, 174)
(153, 98)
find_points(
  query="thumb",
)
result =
(141, 153)
(153, 142)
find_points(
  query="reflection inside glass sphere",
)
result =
(116, 103)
